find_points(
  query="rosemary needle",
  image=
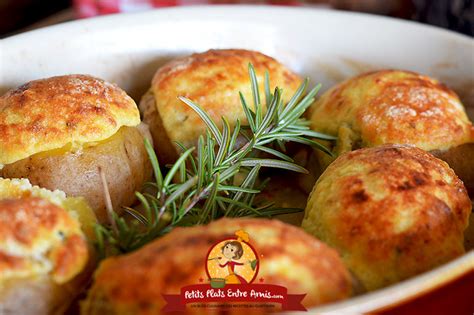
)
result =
(202, 187)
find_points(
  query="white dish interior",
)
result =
(324, 45)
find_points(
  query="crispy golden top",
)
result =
(213, 79)
(50, 113)
(391, 106)
(288, 257)
(21, 188)
(37, 238)
(392, 210)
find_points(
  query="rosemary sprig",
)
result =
(204, 186)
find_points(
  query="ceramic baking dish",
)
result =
(327, 46)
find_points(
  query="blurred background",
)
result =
(22, 15)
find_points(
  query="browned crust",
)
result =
(47, 114)
(392, 106)
(219, 57)
(213, 79)
(25, 224)
(305, 265)
(391, 211)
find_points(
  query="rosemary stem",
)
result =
(208, 187)
(196, 199)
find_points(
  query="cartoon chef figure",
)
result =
(233, 251)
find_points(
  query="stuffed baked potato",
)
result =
(58, 132)
(391, 211)
(213, 79)
(45, 258)
(393, 106)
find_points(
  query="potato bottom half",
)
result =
(41, 295)
(122, 158)
(45, 259)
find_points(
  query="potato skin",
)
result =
(165, 149)
(212, 79)
(461, 159)
(392, 212)
(40, 295)
(288, 257)
(122, 158)
(43, 256)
